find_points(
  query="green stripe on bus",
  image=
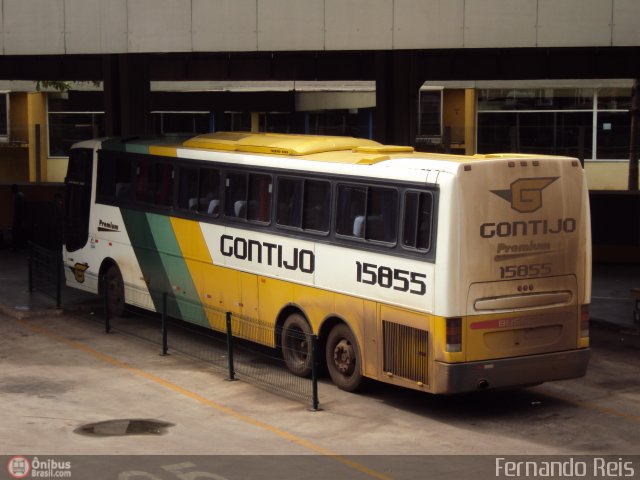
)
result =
(160, 259)
(184, 290)
(137, 148)
(147, 254)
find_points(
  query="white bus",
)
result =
(440, 273)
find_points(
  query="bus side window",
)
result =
(369, 213)
(188, 188)
(144, 181)
(259, 201)
(114, 178)
(164, 184)
(236, 195)
(382, 216)
(317, 205)
(208, 199)
(289, 202)
(418, 212)
(351, 210)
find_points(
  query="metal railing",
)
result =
(246, 348)
(46, 272)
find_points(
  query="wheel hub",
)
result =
(344, 357)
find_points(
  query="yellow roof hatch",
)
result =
(383, 149)
(280, 144)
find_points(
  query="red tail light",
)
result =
(454, 334)
(584, 321)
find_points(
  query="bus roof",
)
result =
(314, 148)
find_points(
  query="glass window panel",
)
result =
(418, 212)
(614, 98)
(164, 184)
(124, 179)
(351, 210)
(382, 209)
(289, 202)
(188, 189)
(430, 112)
(181, 122)
(209, 193)
(236, 195)
(535, 99)
(260, 189)
(552, 133)
(4, 112)
(317, 205)
(144, 181)
(65, 129)
(614, 130)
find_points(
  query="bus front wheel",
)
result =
(343, 358)
(114, 290)
(296, 345)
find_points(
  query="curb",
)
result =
(25, 312)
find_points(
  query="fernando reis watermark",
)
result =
(596, 467)
(22, 467)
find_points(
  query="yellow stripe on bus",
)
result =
(199, 263)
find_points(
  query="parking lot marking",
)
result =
(203, 400)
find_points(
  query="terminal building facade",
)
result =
(467, 76)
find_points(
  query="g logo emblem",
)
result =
(525, 194)
(78, 271)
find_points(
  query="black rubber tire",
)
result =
(114, 289)
(296, 345)
(343, 359)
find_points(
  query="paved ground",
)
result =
(59, 372)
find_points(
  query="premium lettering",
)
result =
(267, 253)
(531, 227)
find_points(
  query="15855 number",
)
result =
(523, 271)
(387, 277)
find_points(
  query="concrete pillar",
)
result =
(397, 86)
(470, 121)
(127, 92)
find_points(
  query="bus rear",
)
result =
(524, 277)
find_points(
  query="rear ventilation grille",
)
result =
(405, 351)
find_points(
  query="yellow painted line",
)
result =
(591, 406)
(203, 400)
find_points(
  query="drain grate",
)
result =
(123, 427)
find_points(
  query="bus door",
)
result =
(78, 198)
(524, 256)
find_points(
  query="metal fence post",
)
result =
(314, 373)
(59, 281)
(165, 345)
(105, 291)
(30, 260)
(230, 348)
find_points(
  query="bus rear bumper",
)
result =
(509, 372)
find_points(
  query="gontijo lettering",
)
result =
(531, 227)
(270, 254)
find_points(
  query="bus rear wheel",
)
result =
(114, 290)
(296, 345)
(343, 359)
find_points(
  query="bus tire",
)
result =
(114, 289)
(343, 358)
(296, 345)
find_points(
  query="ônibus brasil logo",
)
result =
(19, 467)
(525, 194)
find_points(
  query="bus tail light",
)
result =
(584, 321)
(454, 334)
